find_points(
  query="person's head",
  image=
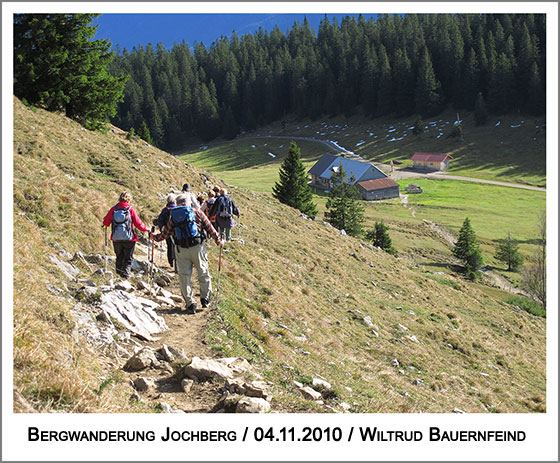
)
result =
(216, 190)
(171, 197)
(186, 187)
(211, 194)
(223, 191)
(125, 197)
(181, 200)
(200, 199)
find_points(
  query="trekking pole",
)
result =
(152, 263)
(105, 253)
(219, 270)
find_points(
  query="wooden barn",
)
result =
(431, 161)
(380, 188)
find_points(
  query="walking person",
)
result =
(162, 221)
(189, 228)
(224, 209)
(122, 219)
(191, 198)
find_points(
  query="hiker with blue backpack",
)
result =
(224, 208)
(189, 227)
(122, 219)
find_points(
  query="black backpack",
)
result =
(225, 208)
(121, 225)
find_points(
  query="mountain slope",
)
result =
(297, 299)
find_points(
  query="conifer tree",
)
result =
(480, 112)
(508, 253)
(144, 133)
(344, 210)
(292, 189)
(467, 250)
(58, 66)
(380, 237)
(427, 97)
(418, 126)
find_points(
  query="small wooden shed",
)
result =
(431, 161)
(380, 188)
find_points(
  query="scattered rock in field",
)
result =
(375, 333)
(237, 365)
(69, 270)
(298, 384)
(144, 358)
(186, 385)
(395, 362)
(252, 405)
(458, 410)
(401, 371)
(166, 408)
(142, 285)
(88, 291)
(164, 279)
(320, 384)
(484, 374)
(134, 313)
(405, 394)
(410, 312)
(417, 382)
(202, 369)
(84, 282)
(367, 321)
(412, 338)
(310, 393)
(258, 389)
(124, 286)
(402, 327)
(345, 406)
(176, 298)
(398, 308)
(165, 301)
(167, 354)
(143, 384)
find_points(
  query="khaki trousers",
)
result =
(187, 258)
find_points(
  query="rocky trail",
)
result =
(143, 332)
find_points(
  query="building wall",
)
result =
(385, 193)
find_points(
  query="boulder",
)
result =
(144, 358)
(320, 384)
(167, 354)
(252, 405)
(237, 365)
(368, 322)
(124, 286)
(257, 389)
(202, 369)
(143, 384)
(69, 270)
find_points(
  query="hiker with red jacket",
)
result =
(189, 228)
(122, 219)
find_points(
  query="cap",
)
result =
(186, 187)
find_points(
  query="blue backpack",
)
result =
(186, 233)
(121, 225)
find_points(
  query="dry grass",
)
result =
(294, 295)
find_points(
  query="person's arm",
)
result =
(207, 225)
(108, 218)
(235, 208)
(166, 231)
(137, 222)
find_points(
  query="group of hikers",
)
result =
(185, 223)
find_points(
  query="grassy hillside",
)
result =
(294, 294)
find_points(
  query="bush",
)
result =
(529, 305)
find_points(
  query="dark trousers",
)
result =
(124, 250)
(170, 251)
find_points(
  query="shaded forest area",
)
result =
(393, 66)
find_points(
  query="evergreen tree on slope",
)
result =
(292, 189)
(344, 211)
(467, 250)
(57, 66)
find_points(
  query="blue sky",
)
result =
(129, 30)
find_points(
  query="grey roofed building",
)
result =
(324, 168)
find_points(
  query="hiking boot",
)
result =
(203, 302)
(191, 309)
